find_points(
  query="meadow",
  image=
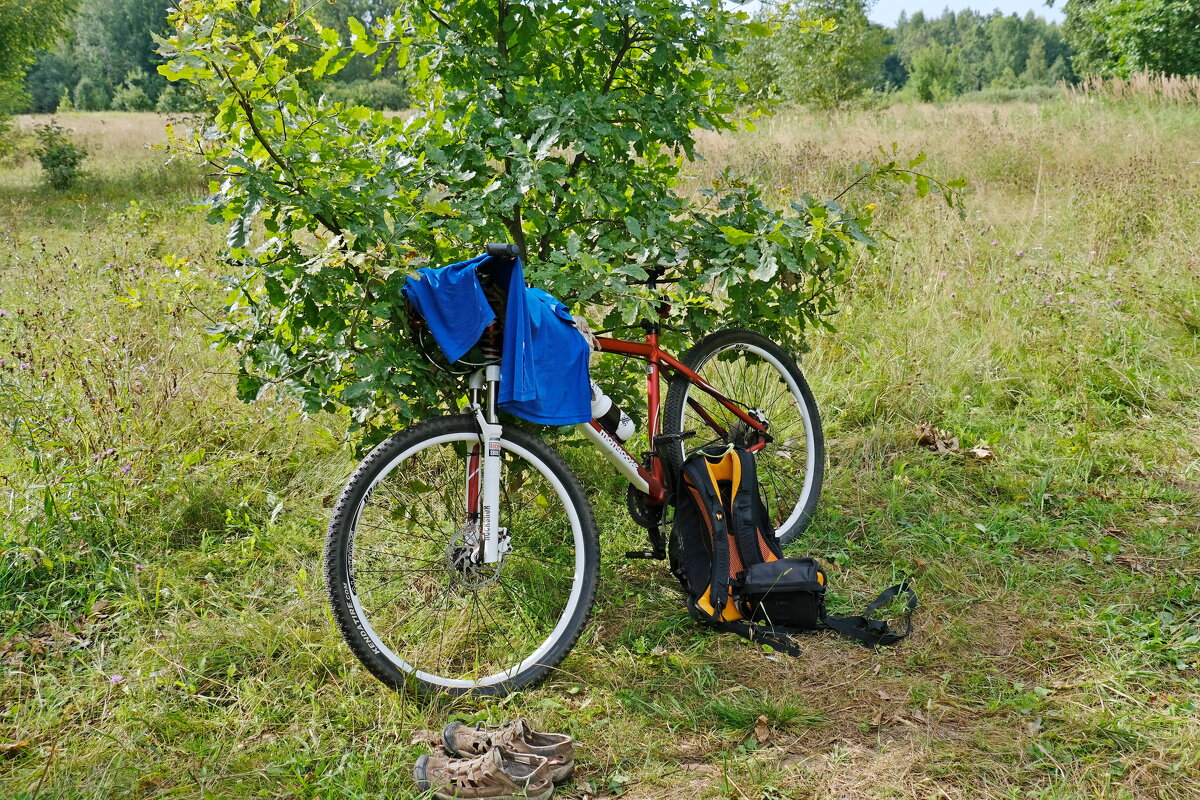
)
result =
(163, 627)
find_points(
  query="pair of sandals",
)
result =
(506, 762)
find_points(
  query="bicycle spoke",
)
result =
(416, 579)
(743, 369)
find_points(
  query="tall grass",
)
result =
(1152, 86)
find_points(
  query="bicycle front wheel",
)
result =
(758, 375)
(411, 602)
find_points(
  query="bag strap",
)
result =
(713, 511)
(777, 638)
(875, 632)
(755, 536)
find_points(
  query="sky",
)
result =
(886, 11)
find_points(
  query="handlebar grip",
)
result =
(503, 250)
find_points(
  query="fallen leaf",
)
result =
(762, 729)
(926, 435)
(981, 451)
(937, 440)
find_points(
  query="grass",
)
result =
(163, 629)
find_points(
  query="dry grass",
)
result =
(1146, 86)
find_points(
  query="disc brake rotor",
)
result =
(464, 560)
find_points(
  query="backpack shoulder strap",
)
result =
(753, 530)
(709, 501)
(875, 632)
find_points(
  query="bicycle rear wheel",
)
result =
(406, 594)
(756, 373)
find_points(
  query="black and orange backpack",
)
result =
(724, 552)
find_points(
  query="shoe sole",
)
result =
(557, 776)
(421, 777)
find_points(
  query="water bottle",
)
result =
(610, 416)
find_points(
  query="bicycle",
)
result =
(463, 555)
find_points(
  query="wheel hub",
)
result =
(464, 559)
(742, 435)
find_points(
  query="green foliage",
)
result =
(26, 28)
(114, 44)
(131, 95)
(966, 51)
(174, 100)
(822, 53)
(90, 96)
(47, 79)
(382, 93)
(59, 156)
(933, 73)
(1123, 37)
(827, 53)
(565, 128)
(109, 39)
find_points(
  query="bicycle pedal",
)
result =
(670, 437)
(646, 554)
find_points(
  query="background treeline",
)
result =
(106, 61)
(823, 53)
(803, 59)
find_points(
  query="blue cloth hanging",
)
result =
(544, 359)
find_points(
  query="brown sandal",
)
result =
(499, 774)
(468, 740)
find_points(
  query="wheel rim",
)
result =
(432, 616)
(769, 386)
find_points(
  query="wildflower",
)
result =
(954, 294)
(1020, 253)
(124, 468)
(116, 678)
(3, 313)
(943, 274)
(139, 567)
(993, 242)
(112, 338)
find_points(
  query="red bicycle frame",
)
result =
(658, 360)
(648, 477)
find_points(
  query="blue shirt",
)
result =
(544, 359)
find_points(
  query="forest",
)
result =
(824, 53)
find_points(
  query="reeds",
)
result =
(1154, 86)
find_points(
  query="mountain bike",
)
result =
(463, 553)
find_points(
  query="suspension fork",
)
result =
(483, 462)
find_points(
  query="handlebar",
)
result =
(503, 250)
